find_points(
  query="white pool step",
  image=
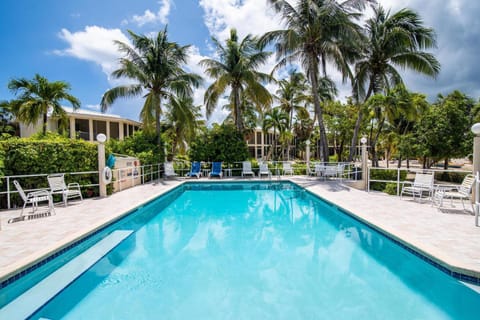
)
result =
(34, 298)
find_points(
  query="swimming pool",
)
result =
(249, 251)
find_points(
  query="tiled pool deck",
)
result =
(448, 238)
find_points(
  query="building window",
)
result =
(114, 130)
(125, 130)
(259, 138)
(82, 129)
(251, 139)
(130, 130)
(99, 127)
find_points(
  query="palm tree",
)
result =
(391, 41)
(236, 70)
(156, 66)
(277, 120)
(317, 31)
(37, 97)
(182, 121)
(292, 99)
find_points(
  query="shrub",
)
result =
(390, 175)
(48, 154)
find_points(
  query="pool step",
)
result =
(34, 298)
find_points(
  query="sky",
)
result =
(72, 41)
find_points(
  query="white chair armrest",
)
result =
(39, 193)
(74, 185)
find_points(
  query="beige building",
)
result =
(86, 125)
(260, 143)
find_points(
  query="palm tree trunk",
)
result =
(356, 130)
(318, 111)
(45, 120)
(237, 110)
(158, 109)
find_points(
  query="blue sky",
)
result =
(73, 40)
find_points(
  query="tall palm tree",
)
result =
(156, 66)
(391, 41)
(318, 31)
(37, 97)
(236, 69)
(277, 120)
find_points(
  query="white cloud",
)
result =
(93, 107)
(248, 17)
(94, 44)
(151, 17)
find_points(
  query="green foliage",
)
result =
(221, 143)
(390, 175)
(450, 177)
(390, 188)
(47, 154)
(141, 145)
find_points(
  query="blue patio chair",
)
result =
(195, 170)
(216, 170)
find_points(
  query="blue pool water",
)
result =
(257, 251)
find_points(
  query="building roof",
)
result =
(83, 112)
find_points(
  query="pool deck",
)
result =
(448, 237)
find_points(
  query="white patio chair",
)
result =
(329, 171)
(169, 171)
(422, 184)
(318, 170)
(287, 168)
(34, 198)
(264, 171)
(247, 169)
(461, 192)
(58, 186)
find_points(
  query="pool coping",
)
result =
(15, 271)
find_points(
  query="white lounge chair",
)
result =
(264, 171)
(461, 192)
(33, 198)
(247, 169)
(287, 168)
(58, 186)
(423, 184)
(318, 170)
(169, 171)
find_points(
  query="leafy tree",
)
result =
(36, 97)
(220, 143)
(444, 131)
(156, 66)
(143, 145)
(277, 120)
(7, 127)
(391, 41)
(236, 69)
(317, 31)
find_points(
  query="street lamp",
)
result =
(476, 166)
(101, 138)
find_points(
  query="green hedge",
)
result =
(386, 175)
(51, 154)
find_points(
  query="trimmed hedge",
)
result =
(51, 154)
(386, 175)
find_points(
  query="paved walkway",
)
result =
(449, 238)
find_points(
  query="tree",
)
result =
(156, 66)
(220, 143)
(391, 41)
(292, 99)
(236, 69)
(277, 120)
(37, 97)
(181, 121)
(444, 131)
(317, 31)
